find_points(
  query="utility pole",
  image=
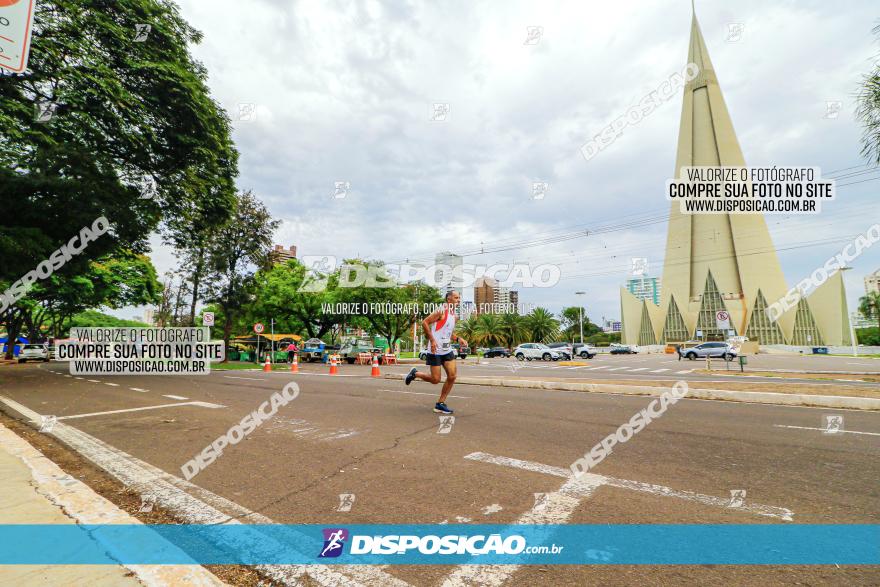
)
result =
(581, 314)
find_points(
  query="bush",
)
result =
(868, 336)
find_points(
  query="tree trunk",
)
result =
(196, 282)
(227, 334)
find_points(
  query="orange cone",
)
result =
(267, 366)
(294, 366)
(374, 372)
(333, 368)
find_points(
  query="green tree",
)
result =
(542, 325)
(514, 329)
(489, 330)
(868, 111)
(240, 246)
(869, 306)
(468, 329)
(570, 328)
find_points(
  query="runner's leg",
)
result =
(451, 369)
(434, 377)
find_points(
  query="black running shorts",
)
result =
(438, 360)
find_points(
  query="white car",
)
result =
(34, 352)
(537, 351)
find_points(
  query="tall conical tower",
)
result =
(713, 261)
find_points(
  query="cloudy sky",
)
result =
(344, 92)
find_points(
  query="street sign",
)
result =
(258, 327)
(208, 319)
(16, 19)
(722, 320)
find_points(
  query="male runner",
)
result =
(439, 328)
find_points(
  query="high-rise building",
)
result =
(513, 299)
(492, 298)
(449, 272)
(281, 255)
(645, 288)
(725, 264)
(872, 282)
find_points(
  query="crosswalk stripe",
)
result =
(597, 368)
(641, 369)
(617, 368)
(685, 371)
(659, 370)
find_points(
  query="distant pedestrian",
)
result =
(291, 352)
(678, 350)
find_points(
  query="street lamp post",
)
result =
(852, 330)
(581, 314)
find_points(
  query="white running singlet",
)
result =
(443, 331)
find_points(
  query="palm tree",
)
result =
(513, 328)
(543, 326)
(467, 329)
(869, 306)
(868, 111)
(489, 329)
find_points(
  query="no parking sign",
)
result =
(16, 20)
(722, 320)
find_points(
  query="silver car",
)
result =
(33, 352)
(710, 349)
(537, 351)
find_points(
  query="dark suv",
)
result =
(497, 351)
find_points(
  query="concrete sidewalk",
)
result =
(34, 490)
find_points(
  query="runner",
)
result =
(439, 328)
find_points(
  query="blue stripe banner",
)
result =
(637, 544)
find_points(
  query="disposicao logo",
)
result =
(334, 541)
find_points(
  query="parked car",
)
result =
(564, 348)
(312, 350)
(710, 349)
(536, 350)
(497, 351)
(583, 351)
(350, 351)
(34, 352)
(460, 352)
(623, 349)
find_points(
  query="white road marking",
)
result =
(555, 508)
(139, 389)
(199, 506)
(93, 381)
(823, 430)
(175, 397)
(685, 371)
(80, 378)
(617, 368)
(420, 393)
(659, 370)
(68, 375)
(754, 508)
(111, 384)
(86, 507)
(248, 378)
(199, 404)
(597, 368)
(640, 369)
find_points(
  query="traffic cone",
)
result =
(374, 372)
(294, 366)
(267, 366)
(333, 368)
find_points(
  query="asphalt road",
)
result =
(379, 440)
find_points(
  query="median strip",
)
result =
(759, 397)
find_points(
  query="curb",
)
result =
(85, 507)
(757, 397)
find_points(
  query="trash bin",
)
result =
(820, 350)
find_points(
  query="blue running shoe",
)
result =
(410, 376)
(442, 408)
